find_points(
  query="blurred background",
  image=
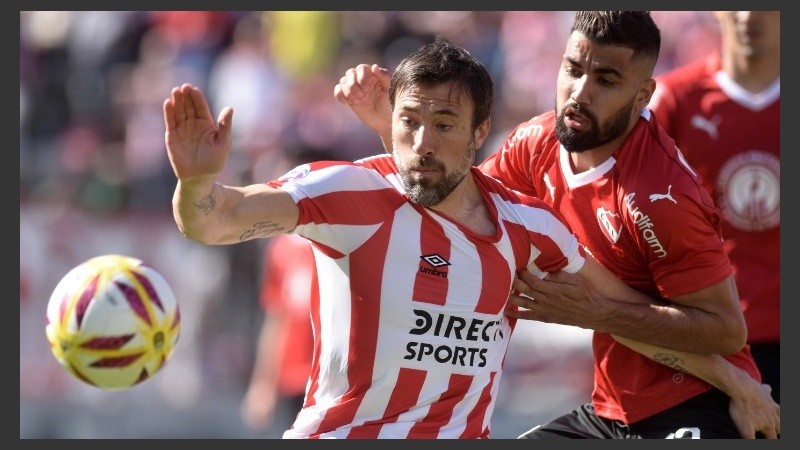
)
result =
(95, 179)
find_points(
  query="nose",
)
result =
(423, 141)
(580, 90)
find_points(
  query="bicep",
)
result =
(608, 284)
(721, 299)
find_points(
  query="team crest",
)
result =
(749, 187)
(611, 224)
(296, 173)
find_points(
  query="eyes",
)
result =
(411, 123)
(604, 80)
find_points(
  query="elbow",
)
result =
(193, 233)
(735, 337)
(202, 236)
(194, 236)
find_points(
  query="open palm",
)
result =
(196, 145)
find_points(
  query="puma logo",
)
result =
(667, 196)
(707, 125)
(550, 186)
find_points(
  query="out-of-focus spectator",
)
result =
(723, 111)
(285, 347)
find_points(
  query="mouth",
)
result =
(574, 119)
(423, 170)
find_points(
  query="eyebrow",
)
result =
(600, 70)
(441, 111)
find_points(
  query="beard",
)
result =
(427, 192)
(579, 141)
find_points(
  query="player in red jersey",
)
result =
(416, 253)
(286, 341)
(285, 345)
(724, 113)
(659, 232)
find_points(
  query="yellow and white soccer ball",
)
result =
(113, 322)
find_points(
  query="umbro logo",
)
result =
(435, 260)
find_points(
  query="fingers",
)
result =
(521, 300)
(225, 121)
(169, 114)
(358, 81)
(384, 76)
(522, 286)
(197, 106)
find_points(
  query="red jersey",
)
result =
(642, 214)
(731, 137)
(289, 282)
(410, 330)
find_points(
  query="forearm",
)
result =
(204, 211)
(672, 326)
(711, 368)
(621, 310)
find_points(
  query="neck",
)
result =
(589, 159)
(466, 206)
(754, 72)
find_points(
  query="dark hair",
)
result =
(442, 62)
(632, 29)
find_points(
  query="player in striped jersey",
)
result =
(604, 162)
(416, 253)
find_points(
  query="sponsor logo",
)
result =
(667, 196)
(466, 330)
(644, 225)
(435, 261)
(550, 186)
(707, 125)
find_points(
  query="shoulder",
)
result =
(682, 81)
(652, 162)
(541, 127)
(517, 201)
(529, 138)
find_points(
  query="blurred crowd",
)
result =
(95, 179)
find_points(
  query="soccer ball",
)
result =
(112, 322)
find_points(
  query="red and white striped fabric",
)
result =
(410, 334)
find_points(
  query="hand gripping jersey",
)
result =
(644, 216)
(410, 334)
(732, 138)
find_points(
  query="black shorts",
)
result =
(705, 416)
(768, 360)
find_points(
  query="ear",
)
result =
(482, 132)
(645, 93)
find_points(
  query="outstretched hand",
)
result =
(196, 145)
(365, 89)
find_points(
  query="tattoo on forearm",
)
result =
(260, 229)
(669, 360)
(206, 204)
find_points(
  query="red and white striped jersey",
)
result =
(409, 329)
